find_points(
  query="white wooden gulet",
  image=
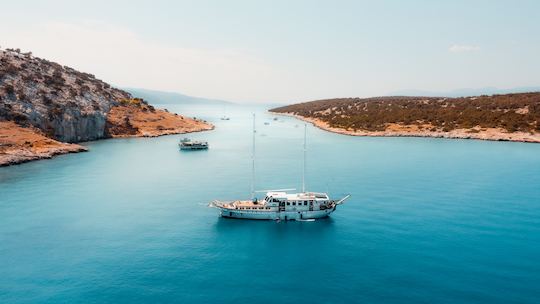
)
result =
(279, 204)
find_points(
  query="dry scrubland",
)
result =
(512, 117)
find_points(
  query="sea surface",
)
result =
(429, 220)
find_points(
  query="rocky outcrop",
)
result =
(19, 144)
(65, 105)
(143, 120)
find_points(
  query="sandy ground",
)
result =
(19, 145)
(150, 124)
(397, 130)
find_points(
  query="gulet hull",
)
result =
(275, 215)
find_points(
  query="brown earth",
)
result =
(45, 106)
(22, 144)
(130, 120)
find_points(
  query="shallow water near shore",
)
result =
(429, 221)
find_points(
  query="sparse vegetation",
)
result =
(512, 112)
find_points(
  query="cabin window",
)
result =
(305, 203)
(288, 203)
(294, 203)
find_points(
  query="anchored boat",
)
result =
(188, 144)
(279, 204)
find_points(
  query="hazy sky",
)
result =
(284, 51)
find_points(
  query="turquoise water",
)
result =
(430, 221)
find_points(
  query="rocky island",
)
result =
(508, 117)
(47, 108)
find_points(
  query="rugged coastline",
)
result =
(47, 109)
(129, 121)
(23, 144)
(20, 144)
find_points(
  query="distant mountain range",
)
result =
(464, 92)
(160, 97)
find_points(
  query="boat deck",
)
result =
(245, 205)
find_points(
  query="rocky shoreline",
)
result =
(397, 130)
(47, 108)
(145, 121)
(23, 144)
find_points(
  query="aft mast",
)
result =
(304, 162)
(253, 162)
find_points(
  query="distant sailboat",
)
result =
(225, 117)
(279, 204)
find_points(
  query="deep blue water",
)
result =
(430, 221)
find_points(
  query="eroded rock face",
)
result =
(22, 144)
(45, 108)
(65, 104)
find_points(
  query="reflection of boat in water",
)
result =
(278, 204)
(225, 118)
(188, 144)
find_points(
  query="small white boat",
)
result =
(188, 144)
(279, 204)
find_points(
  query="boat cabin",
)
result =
(282, 201)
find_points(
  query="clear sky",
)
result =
(285, 51)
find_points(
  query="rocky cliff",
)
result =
(69, 106)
